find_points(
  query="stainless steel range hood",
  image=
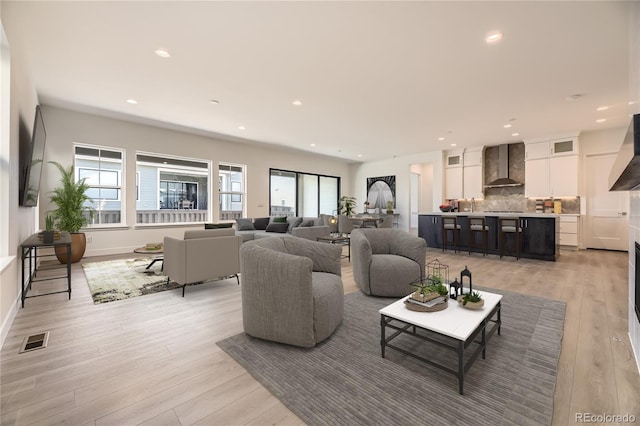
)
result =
(625, 173)
(503, 180)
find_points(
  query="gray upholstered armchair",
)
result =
(386, 261)
(292, 290)
(202, 255)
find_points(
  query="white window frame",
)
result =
(242, 192)
(170, 169)
(120, 188)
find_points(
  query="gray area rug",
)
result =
(120, 279)
(345, 381)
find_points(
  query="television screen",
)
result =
(32, 167)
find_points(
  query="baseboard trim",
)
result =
(8, 322)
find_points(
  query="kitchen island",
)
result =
(539, 239)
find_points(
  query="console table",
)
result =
(30, 248)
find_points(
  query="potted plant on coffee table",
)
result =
(471, 300)
(71, 212)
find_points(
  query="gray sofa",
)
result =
(292, 291)
(386, 261)
(319, 229)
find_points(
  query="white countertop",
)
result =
(493, 214)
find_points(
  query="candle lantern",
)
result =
(454, 289)
(465, 273)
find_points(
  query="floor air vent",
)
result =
(36, 341)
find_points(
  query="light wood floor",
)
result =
(153, 360)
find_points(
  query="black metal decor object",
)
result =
(455, 289)
(465, 273)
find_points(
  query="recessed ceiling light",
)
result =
(493, 37)
(132, 101)
(506, 126)
(297, 102)
(515, 134)
(602, 108)
(633, 102)
(574, 97)
(214, 101)
(162, 53)
(312, 144)
(242, 128)
(453, 144)
(440, 138)
(359, 155)
(601, 120)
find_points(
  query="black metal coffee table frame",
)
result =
(338, 240)
(450, 343)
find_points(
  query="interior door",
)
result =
(415, 201)
(607, 220)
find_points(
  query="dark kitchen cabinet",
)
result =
(430, 228)
(539, 239)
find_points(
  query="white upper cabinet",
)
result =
(454, 160)
(472, 179)
(552, 168)
(534, 151)
(453, 175)
(563, 176)
(536, 178)
(453, 183)
(567, 146)
(472, 182)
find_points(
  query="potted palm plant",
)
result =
(71, 212)
(347, 205)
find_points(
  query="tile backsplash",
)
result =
(517, 203)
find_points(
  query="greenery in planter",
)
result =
(389, 206)
(48, 223)
(347, 205)
(473, 297)
(431, 285)
(69, 199)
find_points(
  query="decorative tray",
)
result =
(414, 305)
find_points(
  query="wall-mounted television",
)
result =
(31, 165)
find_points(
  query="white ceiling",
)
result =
(375, 78)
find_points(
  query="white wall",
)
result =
(634, 220)
(400, 167)
(20, 221)
(425, 170)
(65, 127)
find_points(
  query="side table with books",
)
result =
(152, 249)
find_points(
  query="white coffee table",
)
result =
(457, 328)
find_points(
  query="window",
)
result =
(102, 170)
(171, 189)
(231, 191)
(302, 194)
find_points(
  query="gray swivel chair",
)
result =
(292, 291)
(386, 261)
